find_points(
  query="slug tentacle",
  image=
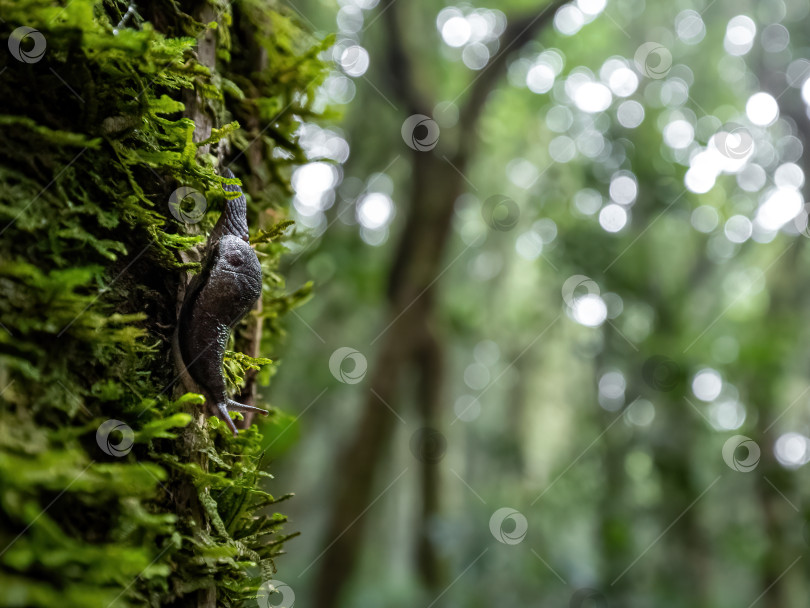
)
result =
(216, 300)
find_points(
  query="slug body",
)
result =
(217, 299)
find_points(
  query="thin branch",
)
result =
(519, 32)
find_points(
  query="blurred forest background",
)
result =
(558, 350)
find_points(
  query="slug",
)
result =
(216, 300)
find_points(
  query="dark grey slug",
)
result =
(216, 300)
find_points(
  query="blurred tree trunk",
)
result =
(431, 373)
(671, 453)
(409, 340)
(614, 518)
(773, 482)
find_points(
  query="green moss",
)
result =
(93, 142)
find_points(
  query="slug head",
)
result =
(236, 275)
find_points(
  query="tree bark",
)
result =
(411, 303)
(190, 439)
(431, 375)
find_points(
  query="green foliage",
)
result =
(275, 233)
(93, 139)
(238, 364)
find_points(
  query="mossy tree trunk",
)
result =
(116, 487)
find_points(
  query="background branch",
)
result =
(519, 32)
(399, 71)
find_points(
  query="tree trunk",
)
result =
(129, 495)
(412, 284)
(431, 377)
(407, 337)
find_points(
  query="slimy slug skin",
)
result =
(218, 298)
